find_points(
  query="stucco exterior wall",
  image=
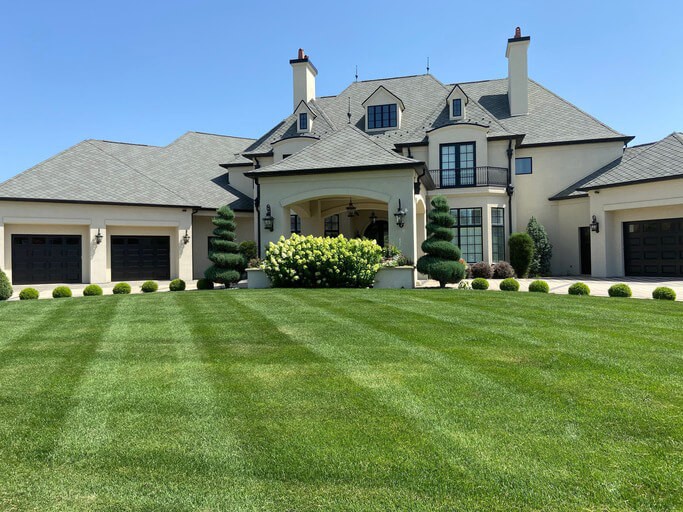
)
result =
(458, 133)
(571, 214)
(290, 146)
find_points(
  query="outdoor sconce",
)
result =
(268, 220)
(186, 238)
(400, 215)
(98, 237)
(595, 225)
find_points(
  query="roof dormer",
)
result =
(304, 118)
(456, 103)
(383, 110)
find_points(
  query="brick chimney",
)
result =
(518, 74)
(304, 74)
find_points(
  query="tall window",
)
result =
(498, 234)
(468, 234)
(332, 225)
(523, 165)
(382, 116)
(457, 163)
(295, 224)
(457, 107)
(303, 121)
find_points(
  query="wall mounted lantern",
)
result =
(186, 238)
(400, 215)
(99, 237)
(595, 225)
(268, 220)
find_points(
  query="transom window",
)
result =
(523, 165)
(303, 121)
(295, 224)
(382, 116)
(457, 164)
(457, 107)
(332, 225)
(498, 234)
(468, 233)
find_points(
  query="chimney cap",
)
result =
(518, 36)
(302, 57)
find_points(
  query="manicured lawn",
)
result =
(341, 400)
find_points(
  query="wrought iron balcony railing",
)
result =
(485, 176)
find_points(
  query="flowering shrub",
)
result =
(316, 262)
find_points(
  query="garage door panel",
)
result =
(46, 259)
(136, 258)
(654, 248)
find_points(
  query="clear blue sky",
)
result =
(147, 71)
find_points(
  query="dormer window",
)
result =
(456, 103)
(304, 117)
(303, 121)
(457, 107)
(382, 116)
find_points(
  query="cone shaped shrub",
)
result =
(521, 253)
(440, 261)
(5, 286)
(228, 262)
(543, 249)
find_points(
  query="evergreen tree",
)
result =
(5, 286)
(521, 253)
(228, 262)
(543, 249)
(441, 257)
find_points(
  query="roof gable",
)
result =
(384, 95)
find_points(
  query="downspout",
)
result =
(510, 189)
(257, 205)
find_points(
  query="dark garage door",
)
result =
(135, 258)
(46, 259)
(654, 248)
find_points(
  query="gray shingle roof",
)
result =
(647, 162)
(184, 173)
(346, 148)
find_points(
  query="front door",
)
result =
(585, 249)
(378, 231)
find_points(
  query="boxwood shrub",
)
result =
(121, 289)
(5, 286)
(503, 270)
(317, 262)
(91, 290)
(61, 292)
(479, 283)
(579, 289)
(509, 285)
(177, 285)
(619, 290)
(539, 286)
(29, 294)
(149, 286)
(481, 269)
(204, 284)
(663, 293)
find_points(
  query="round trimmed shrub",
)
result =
(92, 290)
(121, 289)
(503, 270)
(619, 290)
(663, 293)
(61, 292)
(149, 286)
(579, 289)
(539, 286)
(509, 285)
(481, 269)
(521, 253)
(177, 285)
(204, 284)
(29, 294)
(248, 249)
(479, 283)
(5, 286)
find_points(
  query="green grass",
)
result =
(341, 400)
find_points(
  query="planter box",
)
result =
(257, 278)
(395, 277)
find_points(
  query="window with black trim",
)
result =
(303, 121)
(295, 224)
(457, 107)
(523, 165)
(332, 225)
(382, 116)
(457, 163)
(498, 234)
(468, 233)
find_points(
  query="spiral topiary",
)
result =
(228, 262)
(441, 257)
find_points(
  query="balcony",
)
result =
(485, 176)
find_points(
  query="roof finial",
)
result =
(356, 72)
(427, 65)
(348, 113)
(518, 33)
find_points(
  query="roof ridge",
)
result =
(392, 153)
(218, 135)
(126, 143)
(138, 171)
